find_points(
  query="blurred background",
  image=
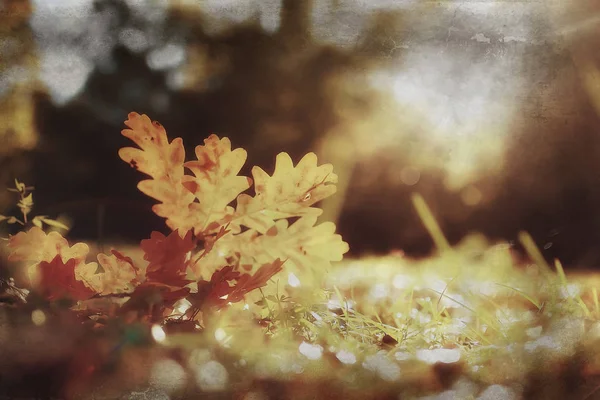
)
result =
(489, 109)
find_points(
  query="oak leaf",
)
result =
(215, 182)
(58, 280)
(230, 286)
(247, 283)
(33, 247)
(289, 192)
(303, 244)
(168, 257)
(198, 202)
(119, 274)
(163, 162)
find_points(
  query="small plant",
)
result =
(25, 204)
(224, 243)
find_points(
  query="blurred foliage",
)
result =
(17, 71)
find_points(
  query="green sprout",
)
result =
(25, 205)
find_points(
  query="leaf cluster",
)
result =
(225, 241)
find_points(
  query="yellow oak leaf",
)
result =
(119, 276)
(215, 182)
(34, 247)
(303, 245)
(163, 162)
(289, 192)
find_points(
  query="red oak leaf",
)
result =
(169, 257)
(247, 283)
(57, 281)
(219, 282)
(218, 291)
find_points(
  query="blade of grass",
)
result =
(526, 296)
(430, 223)
(533, 250)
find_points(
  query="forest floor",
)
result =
(473, 322)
